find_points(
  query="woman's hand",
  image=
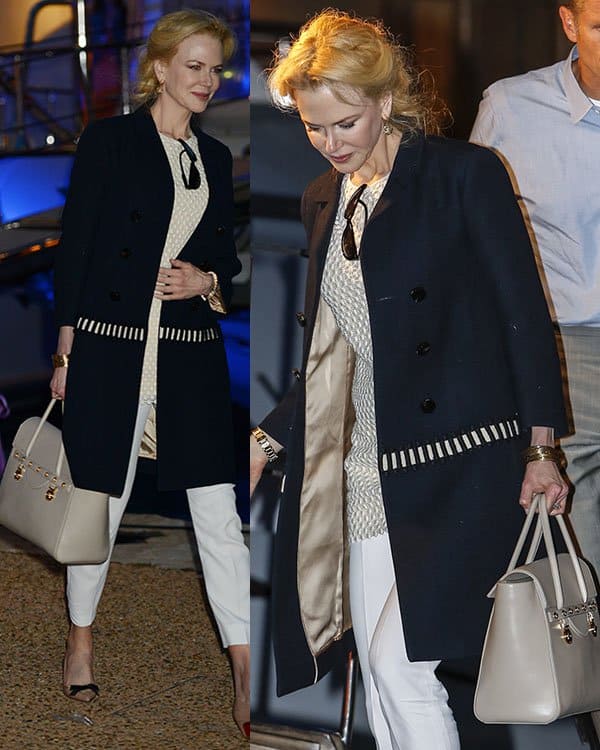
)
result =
(182, 281)
(544, 476)
(258, 461)
(58, 384)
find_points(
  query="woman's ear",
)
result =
(160, 70)
(386, 106)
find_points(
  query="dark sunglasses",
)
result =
(191, 182)
(349, 248)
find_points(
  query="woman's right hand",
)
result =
(258, 461)
(58, 383)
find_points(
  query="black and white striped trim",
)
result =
(115, 330)
(189, 334)
(446, 447)
(135, 333)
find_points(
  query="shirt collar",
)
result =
(579, 103)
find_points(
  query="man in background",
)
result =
(546, 127)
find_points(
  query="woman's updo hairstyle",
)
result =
(166, 36)
(345, 54)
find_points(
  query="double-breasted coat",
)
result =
(115, 222)
(464, 363)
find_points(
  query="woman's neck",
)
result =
(380, 161)
(171, 120)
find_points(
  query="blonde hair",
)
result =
(575, 6)
(166, 36)
(345, 54)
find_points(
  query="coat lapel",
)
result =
(403, 175)
(152, 166)
(390, 238)
(321, 216)
(394, 209)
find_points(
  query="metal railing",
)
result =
(27, 110)
(50, 90)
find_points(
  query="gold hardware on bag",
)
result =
(592, 627)
(20, 471)
(51, 493)
(565, 633)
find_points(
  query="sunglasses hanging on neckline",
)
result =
(349, 249)
(191, 181)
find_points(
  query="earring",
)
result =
(387, 128)
(161, 87)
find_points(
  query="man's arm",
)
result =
(486, 129)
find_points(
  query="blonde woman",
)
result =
(429, 366)
(143, 271)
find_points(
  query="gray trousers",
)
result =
(580, 354)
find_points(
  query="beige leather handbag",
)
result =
(39, 502)
(541, 657)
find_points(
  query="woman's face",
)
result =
(192, 77)
(345, 134)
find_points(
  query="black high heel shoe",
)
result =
(73, 692)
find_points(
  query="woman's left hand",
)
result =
(544, 476)
(182, 281)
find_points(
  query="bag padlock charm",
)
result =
(51, 493)
(565, 633)
(20, 471)
(592, 627)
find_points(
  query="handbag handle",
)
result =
(34, 437)
(542, 528)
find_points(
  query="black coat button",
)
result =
(427, 405)
(135, 215)
(296, 373)
(418, 294)
(220, 229)
(423, 348)
(301, 318)
(125, 252)
(115, 296)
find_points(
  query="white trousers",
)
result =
(407, 705)
(223, 554)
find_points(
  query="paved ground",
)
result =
(165, 682)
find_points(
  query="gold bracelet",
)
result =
(60, 360)
(215, 284)
(541, 453)
(264, 443)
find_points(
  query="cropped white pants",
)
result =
(406, 704)
(223, 554)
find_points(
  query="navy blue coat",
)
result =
(115, 222)
(465, 363)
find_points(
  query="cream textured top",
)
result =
(343, 289)
(188, 209)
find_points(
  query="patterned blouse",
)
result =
(343, 290)
(188, 209)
